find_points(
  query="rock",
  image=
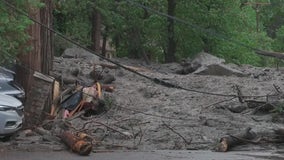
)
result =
(170, 68)
(219, 70)
(78, 53)
(206, 59)
(238, 108)
(208, 64)
(74, 71)
(42, 131)
(108, 79)
(258, 74)
(146, 93)
(50, 138)
(68, 79)
(29, 132)
(202, 60)
(120, 73)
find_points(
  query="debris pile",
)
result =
(98, 106)
(76, 101)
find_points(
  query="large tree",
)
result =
(216, 26)
(171, 49)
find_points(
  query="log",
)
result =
(270, 54)
(112, 66)
(229, 141)
(76, 144)
(108, 88)
(261, 106)
(56, 93)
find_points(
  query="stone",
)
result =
(219, 70)
(78, 53)
(206, 59)
(238, 108)
(29, 132)
(69, 79)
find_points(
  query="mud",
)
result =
(155, 117)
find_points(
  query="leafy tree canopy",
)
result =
(229, 29)
(13, 39)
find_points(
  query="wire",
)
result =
(207, 31)
(155, 80)
(72, 41)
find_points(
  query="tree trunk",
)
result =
(171, 49)
(104, 42)
(134, 42)
(96, 31)
(40, 57)
(46, 37)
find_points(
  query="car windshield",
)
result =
(7, 86)
(6, 75)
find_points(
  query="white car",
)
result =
(11, 115)
(12, 89)
(8, 86)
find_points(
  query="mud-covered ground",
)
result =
(144, 115)
(177, 119)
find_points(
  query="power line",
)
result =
(206, 31)
(155, 80)
(70, 40)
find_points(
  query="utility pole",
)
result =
(257, 6)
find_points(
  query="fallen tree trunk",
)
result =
(230, 141)
(76, 144)
(248, 136)
(270, 54)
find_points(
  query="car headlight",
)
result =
(20, 96)
(5, 108)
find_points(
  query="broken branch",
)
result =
(183, 138)
(76, 144)
(230, 141)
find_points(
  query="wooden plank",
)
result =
(43, 77)
(56, 93)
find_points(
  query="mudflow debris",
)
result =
(100, 106)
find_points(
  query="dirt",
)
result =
(193, 116)
(144, 115)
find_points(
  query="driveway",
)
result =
(140, 155)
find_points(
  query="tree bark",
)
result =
(47, 51)
(41, 41)
(77, 145)
(270, 54)
(227, 142)
(104, 42)
(96, 31)
(171, 49)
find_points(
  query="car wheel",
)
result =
(5, 138)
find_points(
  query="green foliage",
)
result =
(13, 29)
(279, 109)
(278, 44)
(73, 19)
(224, 28)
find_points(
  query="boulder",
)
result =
(207, 64)
(219, 70)
(78, 53)
(201, 60)
(206, 59)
